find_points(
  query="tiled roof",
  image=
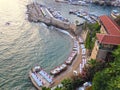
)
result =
(110, 25)
(108, 39)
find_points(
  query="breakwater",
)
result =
(40, 13)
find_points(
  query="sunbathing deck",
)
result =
(40, 78)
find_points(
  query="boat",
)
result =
(7, 23)
(93, 16)
(58, 15)
(75, 46)
(58, 69)
(40, 78)
(73, 12)
(115, 13)
(71, 58)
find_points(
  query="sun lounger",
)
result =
(46, 76)
(38, 81)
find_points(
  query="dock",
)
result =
(40, 78)
(40, 13)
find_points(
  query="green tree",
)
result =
(109, 78)
(116, 53)
(90, 40)
(92, 67)
(92, 62)
(45, 88)
(67, 83)
(73, 83)
(58, 88)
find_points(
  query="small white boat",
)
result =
(71, 58)
(115, 13)
(58, 69)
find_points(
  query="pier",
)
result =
(40, 13)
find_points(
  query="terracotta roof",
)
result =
(110, 25)
(108, 39)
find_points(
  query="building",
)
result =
(107, 39)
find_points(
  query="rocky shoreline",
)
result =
(115, 3)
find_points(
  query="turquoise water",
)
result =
(65, 8)
(24, 44)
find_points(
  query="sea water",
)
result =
(24, 44)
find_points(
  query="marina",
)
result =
(63, 67)
(91, 18)
(57, 15)
(40, 13)
(40, 78)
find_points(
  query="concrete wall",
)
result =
(95, 51)
(102, 30)
(101, 55)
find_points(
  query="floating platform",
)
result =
(40, 78)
